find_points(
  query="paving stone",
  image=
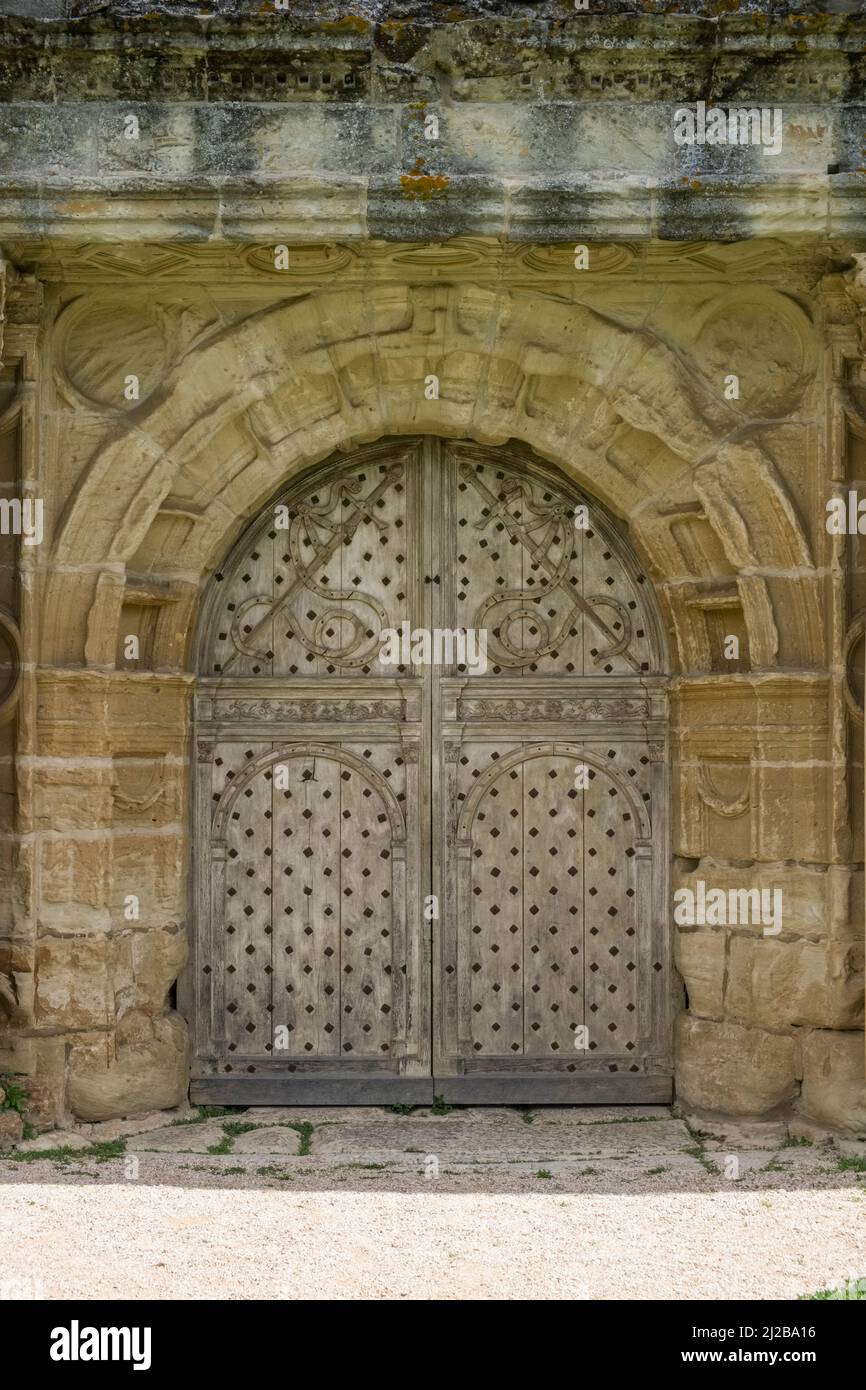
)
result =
(814, 1158)
(316, 1114)
(507, 1115)
(801, 1128)
(283, 1142)
(180, 1139)
(105, 1130)
(475, 1139)
(850, 1148)
(720, 1132)
(54, 1139)
(646, 1164)
(748, 1161)
(601, 1114)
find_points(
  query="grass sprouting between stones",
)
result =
(231, 1131)
(210, 1112)
(101, 1153)
(848, 1289)
(697, 1151)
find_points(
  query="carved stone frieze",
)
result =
(313, 711)
(529, 709)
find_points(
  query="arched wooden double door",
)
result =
(418, 878)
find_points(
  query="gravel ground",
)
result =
(575, 1204)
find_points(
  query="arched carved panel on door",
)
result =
(595, 764)
(549, 925)
(546, 571)
(315, 579)
(313, 849)
(390, 804)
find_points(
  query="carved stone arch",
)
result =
(580, 754)
(588, 393)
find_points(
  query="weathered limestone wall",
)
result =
(261, 124)
(247, 374)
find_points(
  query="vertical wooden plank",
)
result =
(248, 920)
(409, 924)
(666, 998)
(366, 918)
(425, 552)
(553, 907)
(497, 911)
(250, 651)
(611, 941)
(206, 963)
(306, 904)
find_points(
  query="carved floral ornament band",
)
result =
(319, 711)
(553, 709)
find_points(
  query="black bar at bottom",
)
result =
(217, 1338)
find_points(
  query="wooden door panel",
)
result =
(311, 973)
(554, 895)
(555, 598)
(314, 964)
(553, 905)
(330, 566)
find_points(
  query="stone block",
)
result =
(143, 1075)
(46, 1098)
(809, 898)
(152, 869)
(11, 1128)
(158, 957)
(779, 984)
(73, 987)
(834, 1080)
(57, 1139)
(733, 1070)
(17, 1054)
(148, 715)
(732, 1135)
(67, 796)
(700, 958)
(71, 707)
(74, 873)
